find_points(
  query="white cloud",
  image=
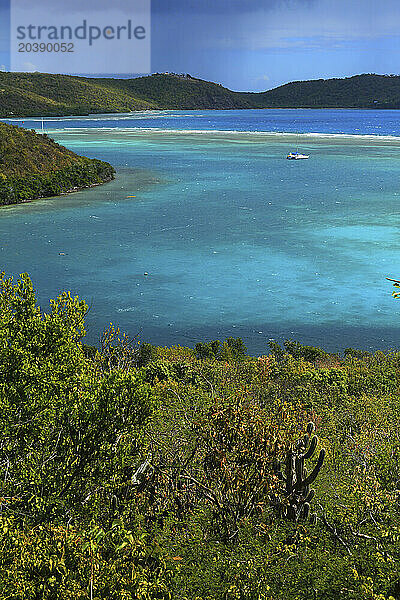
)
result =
(29, 67)
(3, 68)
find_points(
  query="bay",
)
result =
(236, 240)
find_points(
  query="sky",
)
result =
(256, 45)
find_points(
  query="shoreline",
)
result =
(314, 136)
(65, 193)
(161, 110)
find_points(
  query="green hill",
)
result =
(35, 166)
(181, 92)
(33, 94)
(360, 91)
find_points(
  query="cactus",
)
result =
(296, 479)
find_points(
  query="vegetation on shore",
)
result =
(130, 471)
(41, 94)
(359, 91)
(35, 166)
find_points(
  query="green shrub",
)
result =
(230, 349)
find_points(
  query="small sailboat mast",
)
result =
(296, 155)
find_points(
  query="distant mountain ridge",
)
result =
(41, 94)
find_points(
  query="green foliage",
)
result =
(230, 349)
(30, 94)
(298, 350)
(360, 91)
(34, 166)
(182, 92)
(354, 353)
(276, 350)
(145, 354)
(68, 429)
(43, 94)
(163, 370)
(131, 471)
(208, 349)
(89, 351)
(69, 563)
(213, 456)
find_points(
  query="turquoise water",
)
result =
(367, 122)
(235, 239)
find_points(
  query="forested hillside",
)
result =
(35, 166)
(182, 92)
(360, 91)
(135, 472)
(30, 94)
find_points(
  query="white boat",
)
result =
(296, 156)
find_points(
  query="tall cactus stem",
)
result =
(296, 478)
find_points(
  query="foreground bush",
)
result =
(136, 472)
